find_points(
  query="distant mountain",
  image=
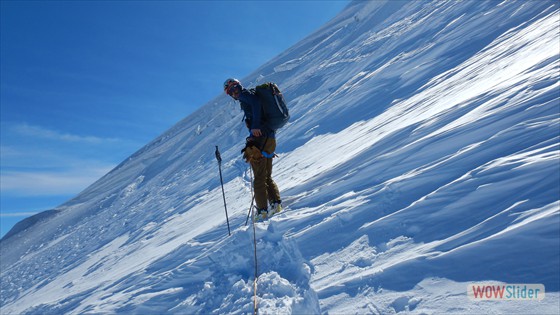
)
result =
(422, 158)
(28, 222)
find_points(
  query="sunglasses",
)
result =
(232, 89)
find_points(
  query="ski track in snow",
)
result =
(422, 155)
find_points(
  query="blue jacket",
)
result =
(253, 110)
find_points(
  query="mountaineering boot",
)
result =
(262, 214)
(275, 207)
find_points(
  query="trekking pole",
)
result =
(249, 213)
(252, 197)
(219, 158)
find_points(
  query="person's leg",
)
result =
(259, 182)
(273, 193)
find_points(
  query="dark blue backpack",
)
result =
(275, 111)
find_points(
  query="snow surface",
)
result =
(422, 156)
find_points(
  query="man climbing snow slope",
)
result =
(261, 143)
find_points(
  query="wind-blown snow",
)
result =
(422, 155)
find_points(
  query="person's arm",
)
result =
(256, 110)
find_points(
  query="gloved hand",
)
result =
(251, 151)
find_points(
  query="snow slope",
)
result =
(422, 156)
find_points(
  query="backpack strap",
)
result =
(266, 154)
(264, 144)
(269, 155)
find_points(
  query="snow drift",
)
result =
(422, 155)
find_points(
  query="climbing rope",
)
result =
(251, 210)
(256, 304)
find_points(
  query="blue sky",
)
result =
(84, 84)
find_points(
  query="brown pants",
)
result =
(265, 188)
